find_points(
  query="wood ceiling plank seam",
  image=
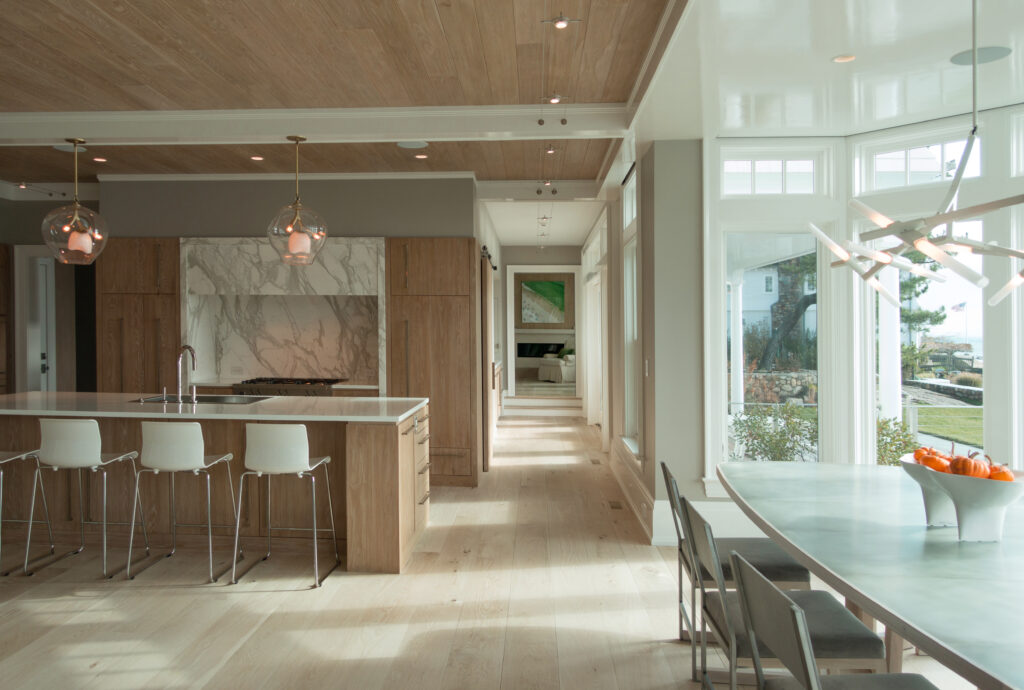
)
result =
(372, 57)
(423, 24)
(37, 59)
(576, 68)
(603, 33)
(401, 54)
(596, 153)
(461, 29)
(198, 77)
(515, 161)
(529, 35)
(641, 24)
(494, 21)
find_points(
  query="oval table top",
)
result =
(861, 529)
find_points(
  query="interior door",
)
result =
(488, 417)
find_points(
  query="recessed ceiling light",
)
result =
(22, 186)
(547, 183)
(255, 158)
(549, 149)
(844, 58)
(412, 144)
(560, 22)
(985, 54)
(555, 100)
(421, 156)
(98, 159)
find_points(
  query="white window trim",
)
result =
(746, 150)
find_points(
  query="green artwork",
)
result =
(543, 301)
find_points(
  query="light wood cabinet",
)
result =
(431, 266)
(137, 316)
(138, 266)
(434, 347)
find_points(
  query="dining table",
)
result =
(861, 529)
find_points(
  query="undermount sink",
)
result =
(215, 399)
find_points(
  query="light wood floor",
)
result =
(533, 580)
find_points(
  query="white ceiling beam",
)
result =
(328, 125)
(526, 190)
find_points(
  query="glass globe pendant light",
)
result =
(75, 234)
(297, 232)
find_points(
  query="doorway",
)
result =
(35, 319)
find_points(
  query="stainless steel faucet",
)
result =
(181, 354)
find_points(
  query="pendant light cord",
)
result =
(75, 144)
(965, 155)
(296, 171)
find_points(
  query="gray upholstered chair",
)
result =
(773, 621)
(840, 640)
(767, 556)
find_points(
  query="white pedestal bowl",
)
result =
(980, 504)
(938, 507)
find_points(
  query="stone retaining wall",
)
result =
(966, 393)
(781, 386)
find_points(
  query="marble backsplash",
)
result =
(250, 266)
(248, 315)
(245, 336)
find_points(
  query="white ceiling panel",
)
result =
(516, 222)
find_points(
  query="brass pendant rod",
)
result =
(296, 171)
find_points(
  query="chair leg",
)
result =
(31, 516)
(2, 512)
(142, 511)
(238, 526)
(234, 506)
(209, 526)
(46, 510)
(131, 528)
(268, 519)
(316, 565)
(174, 521)
(81, 511)
(330, 506)
(104, 523)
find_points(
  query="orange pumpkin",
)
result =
(1001, 473)
(935, 461)
(923, 451)
(970, 467)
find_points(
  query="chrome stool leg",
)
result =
(238, 525)
(268, 519)
(174, 520)
(209, 525)
(316, 542)
(104, 472)
(136, 505)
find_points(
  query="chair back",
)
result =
(705, 553)
(69, 443)
(172, 446)
(776, 621)
(678, 518)
(276, 448)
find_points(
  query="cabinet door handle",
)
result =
(426, 468)
(424, 439)
(423, 419)
(408, 431)
(425, 498)
(407, 387)
(406, 248)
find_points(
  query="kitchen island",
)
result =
(379, 469)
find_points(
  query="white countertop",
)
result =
(277, 409)
(861, 528)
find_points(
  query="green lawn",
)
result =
(960, 424)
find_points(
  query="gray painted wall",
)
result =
(674, 318)
(431, 207)
(21, 221)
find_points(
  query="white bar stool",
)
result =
(284, 449)
(178, 447)
(6, 457)
(74, 444)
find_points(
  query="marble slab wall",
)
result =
(248, 315)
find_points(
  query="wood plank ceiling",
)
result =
(143, 55)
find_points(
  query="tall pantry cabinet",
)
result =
(433, 314)
(137, 315)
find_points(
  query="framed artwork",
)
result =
(545, 300)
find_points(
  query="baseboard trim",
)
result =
(640, 500)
